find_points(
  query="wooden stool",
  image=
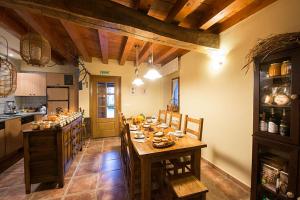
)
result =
(187, 187)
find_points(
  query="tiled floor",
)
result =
(96, 173)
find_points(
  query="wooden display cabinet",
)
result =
(276, 137)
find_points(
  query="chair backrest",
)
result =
(162, 114)
(122, 122)
(131, 151)
(175, 121)
(168, 117)
(193, 126)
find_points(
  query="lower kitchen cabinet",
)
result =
(2, 143)
(13, 135)
(49, 153)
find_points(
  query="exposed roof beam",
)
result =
(179, 53)
(11, 25)
(144, 5)
(40, 26)
(144, 53)
(77, 39)
(182, 8)
(165, 55)
(101, 15)
(221, 11)
(126, 48)
(241, 15)
(103, 46)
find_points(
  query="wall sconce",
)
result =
(218, 59)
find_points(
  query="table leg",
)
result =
(145, 179)
(196, 163)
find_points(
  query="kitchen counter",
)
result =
(4, 117)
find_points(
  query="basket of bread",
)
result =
(162, 142)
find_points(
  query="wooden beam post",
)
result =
(77, 39)
(113, 17)
(128, 44)
(103, 46)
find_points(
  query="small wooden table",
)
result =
(148, 154)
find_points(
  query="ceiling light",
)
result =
(137, 81)
(152, 73)
(10, 55)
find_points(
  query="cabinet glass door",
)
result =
(276, 100)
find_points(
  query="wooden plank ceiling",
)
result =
(69, 40)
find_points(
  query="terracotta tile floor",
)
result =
(96, 174)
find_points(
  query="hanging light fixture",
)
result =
(35, 49)
(8, 75)
(152, 73)
(137, 81)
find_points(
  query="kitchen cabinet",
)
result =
(31, 84)
(2, 143)
(59, 146)
(13, 135)
(56, 79)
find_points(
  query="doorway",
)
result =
(105, 104)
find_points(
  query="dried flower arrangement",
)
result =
(266, 47)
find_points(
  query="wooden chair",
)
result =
(186, 187)
(124, 140)
(168, 117)
(162, 115)
(183, 163)
(175, 121)
(134, 171)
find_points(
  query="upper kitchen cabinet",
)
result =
(31, 84)
(56, 79)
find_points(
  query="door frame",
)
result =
(93, 79)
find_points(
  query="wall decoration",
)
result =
(266, 47)
(8, 75)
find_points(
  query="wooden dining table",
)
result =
(148, 154)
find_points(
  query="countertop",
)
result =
(18, 115)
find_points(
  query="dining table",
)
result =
(148, 154)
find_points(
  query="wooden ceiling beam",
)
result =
(182, 8)
(179, 53)
(40, 26)
(144, 5)
(165, 55)
(128, 22)
(18, 30)
(126, 48)
(145, 52)
(103, 41)
(221, 11)
(77, 39)
(11, 25)
(241, 15)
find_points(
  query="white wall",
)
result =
(224, 96)
(146, 100)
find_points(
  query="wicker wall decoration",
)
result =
(8, 75)
(35, 49)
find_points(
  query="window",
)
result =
(175, 94)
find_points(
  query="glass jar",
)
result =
(286, 67)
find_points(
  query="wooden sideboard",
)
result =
(49, 153)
